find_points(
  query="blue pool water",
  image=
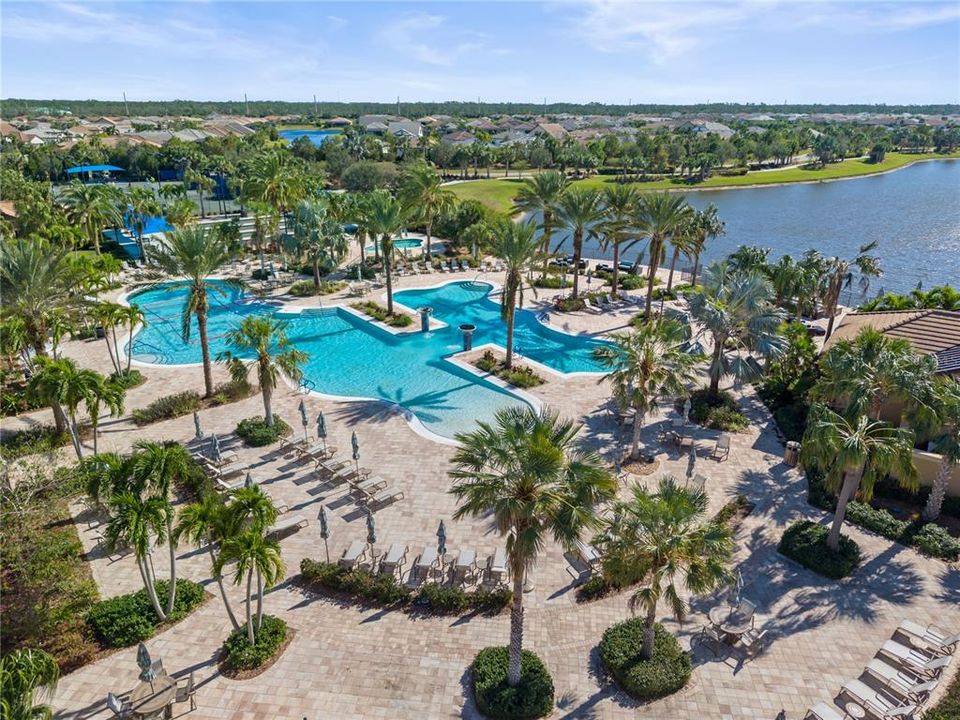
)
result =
(349, 357)
(317, 137)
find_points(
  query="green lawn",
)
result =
(498, 194)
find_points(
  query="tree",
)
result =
(663, 539)
(525, 474)
(735, 310)
(542, 194)
(141, 204)
(274, 178)
(26, 674)
(92, 207)
(386, 217)
(317, 234)
(265, 339)
(854, 453)
(648, 363)
(421, 190)
(195, 254)
(945, 440)
(839, 275)
(578, 210)
(659, 217)
(616, 228)
(749, 259)
(104, 392)
(253, 553)
(518, 248)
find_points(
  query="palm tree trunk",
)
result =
(205, 351)
(637, 427)
(516, 628)
(316, 274)
(577, 250)
(651, 274)
(113, 360)
(673, 264)
(250, 635)
(386, 272)
(426, 248)
(646, 651)
(74, 435)
(851, 481)
(616, 269)
(510, 314)
(172, 594)
(696, 267)
(130, 341)
(267, 404)
(259, 600)
(715, 377)
(223, 591)
(935, 502)
(151, 590)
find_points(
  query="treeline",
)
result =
(12, 107)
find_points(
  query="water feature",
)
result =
(317, 137)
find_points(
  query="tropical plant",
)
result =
(854, 453)
(541, 193)
(195, 254)
(662, 539)
(274, 178)
(26, 674)
(92, 207)
(839, 274)
(648, 363)
(316, 233)
(524, 472)
(252, 553)
(141, 205)
(707, 225)
(386, 217)
(749, 259)
(180, 213)
(660, 216)
(944, 436)
(518, 248)
(425, 197)
(579, 211)
(103, 393)
(265, 339)
(735, 310)
(616, 228)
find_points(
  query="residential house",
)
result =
(405, 128)
(552, 130)
(706, 127)
(459, 137)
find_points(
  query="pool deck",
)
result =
(352, 662)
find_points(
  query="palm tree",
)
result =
(275, 179)
(708, 225)
(648, 363)
(134, 520)
(252, 509)
(785, 277)
(735, 310)
(92, 207)
(253, 553)
(525, 473)
(107, 393)
(854, 454)
(265, 339)
(945, 440)
(386, 217)
(209, 523)
(317, 234)
(195, 254)
(839, 275)
(659, 217)
(423, 193)
(683, 241)
(180, 212)
(64, 386)
(578, 211)
(541, 193)
(616, 227)
(25, 674)
(518, 248)
(141, 204)
(663, 539)
(748, 259)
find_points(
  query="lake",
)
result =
(914, 214)
(317, 137)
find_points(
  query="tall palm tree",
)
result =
(104, 393)
(945, 440)
(141, 204)
(616, 227)
(518, 248)
(209, 523)
(525, 473)
(276, 179)
(839, 275)
(579, 211)
(92, 207)
(135, 521)
(317, 234)
(683, 241)
(785, 276)
(252, 509)
(855, 453)
(386, 217)
(735, 311)
(659, 217)
(541, 193)
(26, 674)
(253, 553)
(663, 539)
(650, 362)
(423, 193)
(195, 254)
(708, 225)
(263, 338)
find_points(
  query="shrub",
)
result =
(719, 412)
(39, 439)
(596, 587)
(491, 601)
(128, 378)
(878, 521)
(569, 304)
(378, 589)
(806, 543)
(231, 391)
(519, 376)
(14, 402)
(532, 698)
(127, 619)
(378, 312)
(239, 655)
(949, 706)
(305, 288)
(552, 282)
(934, 540)
(487, 362)
(167, 407)
(255, 432)
(664, 673)
(444, 599)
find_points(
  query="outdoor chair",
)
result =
(721, 451)
(330, 466)
(352, 555)
(426, 562)
(288, 525)
(394, 559)
(367, 488)
(712, 634)
(882, 703)
(903, 684)
(187, 691)
(228, 487)
(588, 553)
(119, 708)
(698, 484)
(822, 711)
(753, 642)
(465, 566)
(497, 567)
(385, 497)
(909, 657)
(932, 637)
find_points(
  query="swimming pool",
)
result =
(351, 358)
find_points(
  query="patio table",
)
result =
(149, 698)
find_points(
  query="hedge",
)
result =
(255, 432)
(38, 439)
(167, 407)
(306, 288)
(519, 376)
(128, 619)
(378, 312)
(239, 655)
(532, 698)
(949, 706)
(806, 542)
(663, 674)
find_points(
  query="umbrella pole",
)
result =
(326, 549)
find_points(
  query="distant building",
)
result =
(459, 137)
(405, 128)
(552, 130)
(706, 127)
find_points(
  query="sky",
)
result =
(607, 51)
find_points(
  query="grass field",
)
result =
(498, 194)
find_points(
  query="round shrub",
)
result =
(532, 698)
(664, 673)
(239, 655)
(127, 619)
(936, 541)
(806, 542)
(719, 412)
(255, 432)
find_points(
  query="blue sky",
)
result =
(592, 50)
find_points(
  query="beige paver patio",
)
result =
(351, 662)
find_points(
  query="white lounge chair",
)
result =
(330, 466)
(385, 497)
(287, 525)
(588, 553)
(394, 559)
(881, 703)
(938, 641)
(905, 655)
(822, 711)
(364, 489)
(234, 468)
(914, 689)
(426, 562)
(227, 486)
(497, 567)
(721, 451)
(465, 565)
(352, 555)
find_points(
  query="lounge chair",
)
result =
(426, 562)
(394, 559)
(347, 474)
(909, 657)
(938, 642)
(370, 486)
(914, 689)
(234, 468)
(228, 486)
(881, 703)
(721, 451)
(822, 711)
(465, 566)
(497, 568)
(385, 497)
(330, 466)
(287, 525)
(316, 452)
(588, 553)
(187, 691)
(352, 555)
(699, 483)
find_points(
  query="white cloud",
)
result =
(406, 36)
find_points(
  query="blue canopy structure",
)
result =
(93, 169)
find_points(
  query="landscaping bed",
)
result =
(183, 403)
(949, 706)
(125, 620)
(255, 432)
(239, 660)
(37, 439)
(378, 312)
(663, 674)
(806, 543)
(306, 288)
(519, 376)
(718, 412)
(532, 698)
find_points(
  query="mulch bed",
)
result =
(639, 467)
(248, 674)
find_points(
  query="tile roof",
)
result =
(931, 332)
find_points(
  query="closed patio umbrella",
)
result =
(248, 482)
(441, 543)
(303, 419)
(355, 442)
(196, 425)
(371, 529)
(324, 529)
(215, 448)
(686, 410)
(145, 663)
(322, 430)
